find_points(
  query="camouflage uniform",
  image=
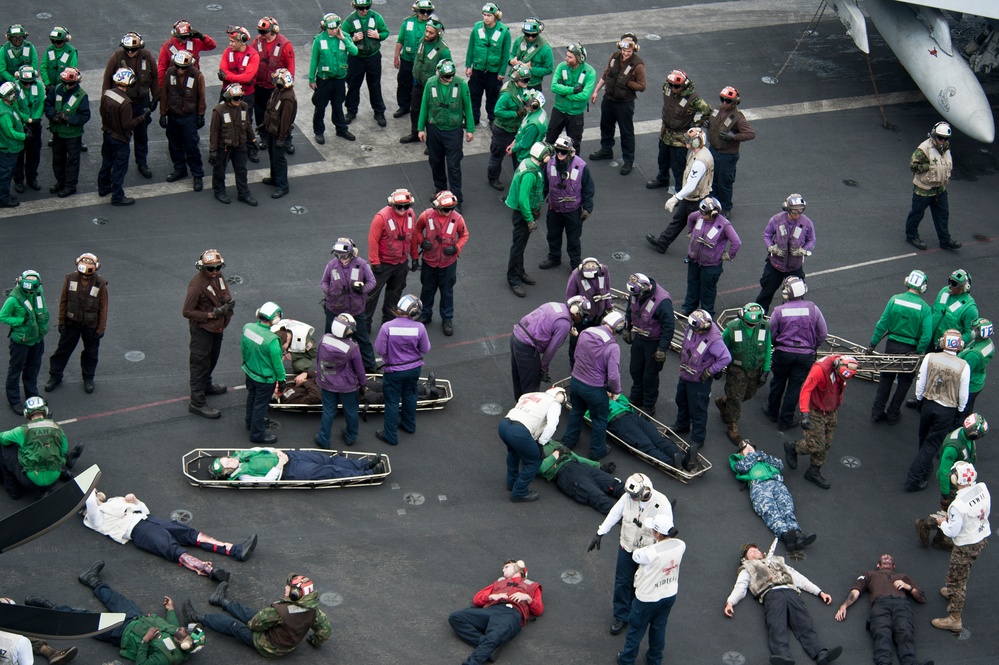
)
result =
(750, 360)
(818, 437)
(961, 560)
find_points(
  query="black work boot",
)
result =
(790, 455)
(190, 614)
(37, 601)
(814, 474)
(91, 577)
(219, 575)
(218, 598)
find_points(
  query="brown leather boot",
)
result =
(951, 622)
(54, 657)
(923, 529)
(733, 433)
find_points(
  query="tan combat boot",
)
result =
(54, 657)
(945, 592)
(952, 622)
(733, 433)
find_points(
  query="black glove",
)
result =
(414, 265)
(762, 381)
(200, 123)
(727, 136)
(659, 356)
(426, 244)
(717, 375)
(627, 336)
(163, 121)
(280, 143)
(197, 35)
(578, 88)
(60, 118)
(154, 105)
(706, 376)
(221, 75)
(213, 157)
(450, 250)
(608, 467)
(595, 543)
(806, 421)
(919, 405)
(361, 391)
(522, 111)
(378, 269)
(62, 329)
(870, 350)
(313, 641)
(28, 133)
(100, 335)
(545, 377)
(357, 287)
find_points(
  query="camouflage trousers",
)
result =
(740, 386)
(774, 504)
(961, 559)
(818, 438)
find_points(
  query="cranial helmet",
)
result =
(942, 131)
(677, 77)
(343, 325)
(29, 281)
(8, 92)
(951, 341)
(975, 426)
(16, 30)
(70, 75)
(590, 267)
(240, 33)
(795, 203)
(960, 277)
(361, 4)
(183, 59)
(578, 306)
(558, 393)
(541, 152)
(210, 258)
(615, 321)
(964, 473)
(492, 8)
(423, 5)
(132, 41)
(846, 367)
(445, 68)
(269, 312)
(710, 207)
(26, 74)
(731, 94)
(195, 640)
(752, 313)
(268, 24)
(694, 137)
(124, 76)
(700, 320)
(400, 197)
(34, 405)
(628, 40)
(534, 98)
(87, 264)
(233, 92)
(218, 470)
(577, 50)
(638, 486)
(344, 249)
(410, 306)
(283, 78)
(330, 21)
(793, 288)
(917, 280)
(982, 329)
(300, 586)
(445, 201)
(182, 29)
(533, 26)
(639, 284)
(436, 23)
(521, 73)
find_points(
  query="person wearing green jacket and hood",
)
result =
(28, 317)
(277, 629)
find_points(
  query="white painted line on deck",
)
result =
(862, 264)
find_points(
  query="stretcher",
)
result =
(703, 465)
(870, 364)
(442, 387)
(679, 329)
(197, 462)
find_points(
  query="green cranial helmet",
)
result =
(34, 405)
(752, 313)
(975, 426)
(445, 68)
(917, 280)
(577, 50)
(533, 26)
(330, 21)
(26, 74)
(423, 6)
(29, 281)
(361, 4)
(218, 470)
(982, 328)
(16, 30)
(59, 34)
(960, 277)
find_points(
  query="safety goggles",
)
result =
(426, 12)
(724, 100)
(213, 268)
(676, 86)
(402, 206)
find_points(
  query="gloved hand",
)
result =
(200, 123)
(197, 35)
(313, 641)
(806, 421)
(100, 335)
(450, 250)
(727, 136)
(798, 251)
(763, 378)
(919, 405)
(578, 88)
(216, 313)
(595, 543)
(426, 244)
(28, 132)
(545, 377)
(945, 500)
(776, 251)
(357, 287)
(163, 121)
(154, 105)
(671, 203)
(221, 75)
(522, 111)
(627, 336)
(280, 144)
(870, 350)
(659, 356)
(62, 329)
(60, 118)
(213, 157)
(608, 467)
(532, 226)
(725, 256)
(705, 375)
(414, 265)
(377, 269)
(360, 392)
(584, 215)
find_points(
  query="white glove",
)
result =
(798, 251)
(671, 203)
(725, 256)
(776, 251)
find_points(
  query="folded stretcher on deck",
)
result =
(703, 465)
(198, 461)
(430, 398)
